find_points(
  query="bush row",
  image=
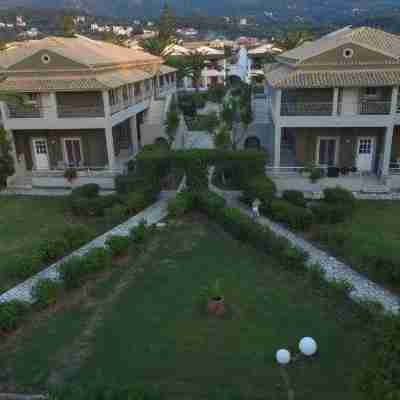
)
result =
(74, 272)
(48, 251)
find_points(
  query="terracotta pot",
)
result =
(216, 306)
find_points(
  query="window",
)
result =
(348, 53)
(40, 147)
(371, 91)
(327, 151)
(73, 152)
(46, 59)
(365, 146)
(125, 93)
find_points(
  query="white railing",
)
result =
(81, 171)
(70, 111)
(129, 102)
(299, 109)
(305, 171)
(374, 107)
(24, 111)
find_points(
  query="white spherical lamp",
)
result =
(308, 346)
(283, 356)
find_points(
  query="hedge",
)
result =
(295, 217)
(294, 197)
(11, 314)
(259, 187)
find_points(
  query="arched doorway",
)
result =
(252, 142)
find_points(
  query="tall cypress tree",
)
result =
(167, 26)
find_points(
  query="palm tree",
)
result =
(156, 45)
(294, 39)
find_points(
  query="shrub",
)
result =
(51, 249)
(210, 202)
(116, 212)
(380, 377)
(128, 183)
(328, 213)
(316, 174)
(294, 217)
(45, 292)
(11, 314)
(139, 233)
(181, 204)
(135, 202)
(91, 207)
(76, 235)
(294, 197)
(72, 272)
(260, 187)
(292, 258)
(340, 196)
(118, 245)
(96, 260)
(88, 191)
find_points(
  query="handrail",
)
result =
(73, 111)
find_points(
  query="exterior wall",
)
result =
(395, 155)
(361, 55)
(93, 147)
(307, 95)
(305, 146)
(80, 99)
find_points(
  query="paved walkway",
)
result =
(362, 287)
(151, 215)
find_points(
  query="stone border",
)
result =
(334, 270)
(151, 215)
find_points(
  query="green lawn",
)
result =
(25, 221)
(142, 324)
(374, 230)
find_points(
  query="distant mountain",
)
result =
(282, 8)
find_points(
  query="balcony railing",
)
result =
(24, 111)
(300, 109)
(129, 102)
(69, 111)
(374, 107)
(326, 109)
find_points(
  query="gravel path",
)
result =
(362, 287)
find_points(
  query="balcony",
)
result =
(129, 102)
(24, 111)
(367, 107)
(306, 109)
(70, 111)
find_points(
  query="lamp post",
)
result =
(308, 347)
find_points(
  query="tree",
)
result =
(167, 24)
(189, 66)
(172, 122)
(155, 45)
(222, 138)
(294, 39)
(6, 160)
(67, 26)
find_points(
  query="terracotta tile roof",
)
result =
(104, 81)
(286, 77)
(377, 40)
(80, 49)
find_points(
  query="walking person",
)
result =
(256, 208)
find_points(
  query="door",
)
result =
(327, 151)
(41, 153)
(365, 153)
(73, 152)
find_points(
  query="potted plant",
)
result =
(316, 174)
(70, 174)
(214, 298)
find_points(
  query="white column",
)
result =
(106, 103)
(335, 101)
(277, 145)
(387, 150)
(110, 146)
(134, 139)
(278, 104)
(394, 102)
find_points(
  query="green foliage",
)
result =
(96, 260)
(118, 245)
(67, 26)
(116, 212)
(91, 207)
(210, 200)
(76, 235)
(294, 197)
(167, 23)
(380, 377)
(11, 314)
(140, 233)
(136, 202)
(259, 187)
(46, 292)
(72, 272)
(172, 124)
(222, 138)
(190, 66)
(6, 160)
(216, 93)
(316, 174)
(295, 217)
(89, 191)
(328, 213)
(70, 174)
(339, 195)
(51, 249)
(181, 204)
